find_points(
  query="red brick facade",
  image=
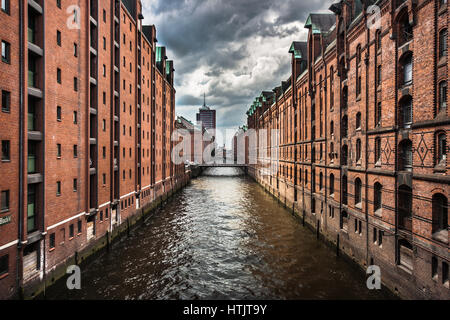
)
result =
(361, 153)
(89, 116)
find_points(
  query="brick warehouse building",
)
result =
(86, 123)
(361, 153)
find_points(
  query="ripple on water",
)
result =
(222, 237)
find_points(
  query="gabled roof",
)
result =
(320, 22)
(299, 49)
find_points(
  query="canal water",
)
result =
(222, 237)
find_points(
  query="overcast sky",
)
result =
(231, 50)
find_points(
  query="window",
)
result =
(441, 150)
(358, 149)
(331, 184)
(58, 150)
(52, 241)
(75, 117)
(358, 120)
(58, 3)
(75, 50)
(377, 196)
(378, 114)
(79, 226)
(75, 151)
(6, 154)
(357, 191)
(344, 190)
(332, 127)
(104, 43)
(104, 15)
(378, 40)
(406, 112)
(406, 64)
(5, 9)
(75, 185)
(58, 188)
(58, 113)
(442, 96)
(344, 155)
(405, 155)
(104, 70)
(344, 127)
(6, 52)
(344, 220)
(58, 38)
(4, 260)
(404, 207)
(104, 179)
(104, 97)
(5, 200)
(104, 125)
(6, 101)
(58, 75)
(75, 84)
(104, 152)
(71, 230)
(443, 43)
(440, 217)
(379, 75)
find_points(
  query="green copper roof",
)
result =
(160, 51)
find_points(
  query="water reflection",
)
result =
(222, 237)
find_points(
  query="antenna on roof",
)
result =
(204, 99)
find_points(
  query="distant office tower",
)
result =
(206, 116)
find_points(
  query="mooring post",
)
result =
(337, 246)
(107, 240)
(318, 227)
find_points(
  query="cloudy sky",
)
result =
(229, 49)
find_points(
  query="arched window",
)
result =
(440, 217)
(377, 196)
(344, 190)
(442, 96)
(357, 191)
(406, 112)
(344, 155)
(358, 120)
(406, 64)
(441, 148)
(344, 97)
(377, 149)
(358, 149)
(405, 155)
(331, 184)
(443, 43)
(404, 207)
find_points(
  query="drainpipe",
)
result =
(367, 62)
(21, 139)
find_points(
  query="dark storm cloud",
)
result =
(240, 47)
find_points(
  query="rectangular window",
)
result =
(6, 52)
(6, 154)
(58, 114)
(104, 179)
(58, 38)
(79, 226)
(104, 152)
(104, 97)
(104, 43)
(75, 84)
(58, 75)
(58, 150)
(75, 185)
(58, 188)
(104, 15)
(71, 231)
(63, 235)
(52, 241)
(104, 125)
(4, 260)
(5, 9)
(75, 117)
(5, 200)
(58, 3)
(75, 151)
(75, 50)
(6, 101)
